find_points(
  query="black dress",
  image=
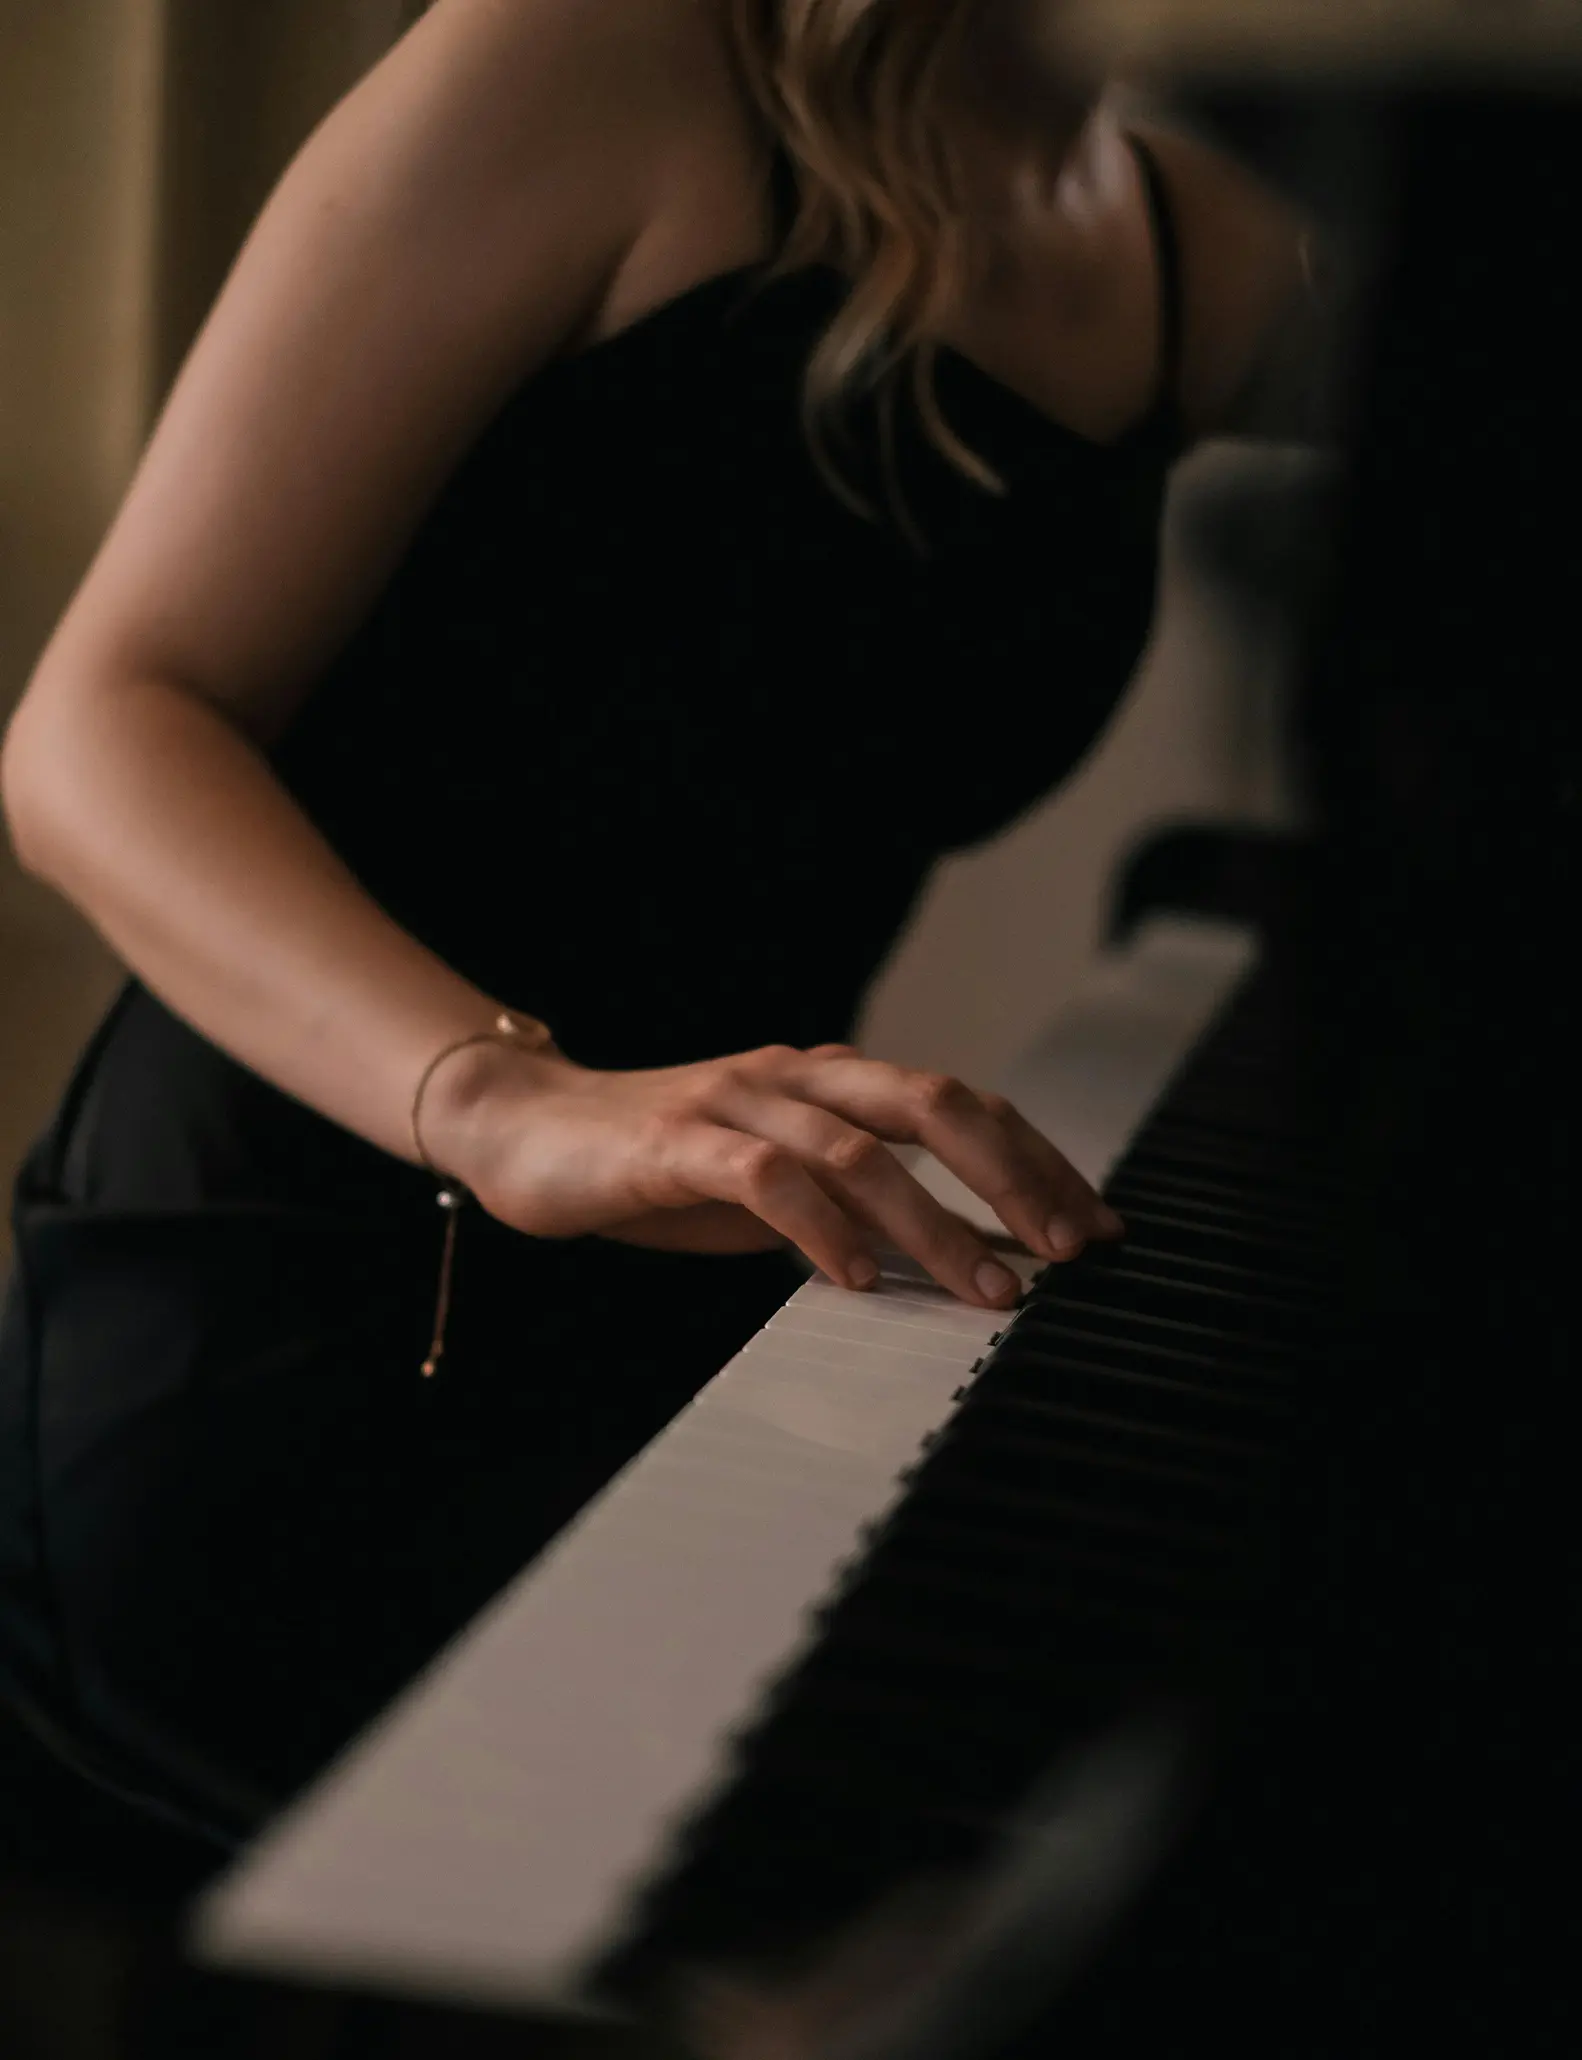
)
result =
(647, 734)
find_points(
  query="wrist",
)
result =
(468, 1094)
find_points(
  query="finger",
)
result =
(721, 1164)
(1081, 1200)
(872, 1186)
(1039, 1197)
(999, 1240)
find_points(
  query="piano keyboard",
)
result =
(830, 1625)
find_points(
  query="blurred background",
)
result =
(138, 140)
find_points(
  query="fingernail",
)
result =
(1111, 1224)
(1063, 1235)
(995, 1283)
(862, 1273)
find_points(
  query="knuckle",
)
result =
(941, 1094)
(853, 1152)
(755, 1163)
(771, 1058)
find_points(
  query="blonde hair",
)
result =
(851, 90)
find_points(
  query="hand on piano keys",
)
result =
(763, 1147)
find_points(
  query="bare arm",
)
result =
(453, 222)
(469, 210)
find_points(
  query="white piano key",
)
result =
(939, 1313)
(862, 1360)
(482, 1838)
(866, 1329)
(671, 1604)
(878, 1415)
(479, 1842)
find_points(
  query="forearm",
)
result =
(166, 827)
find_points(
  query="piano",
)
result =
(1192, 1660)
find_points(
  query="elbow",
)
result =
(23, 787)
(15, 810)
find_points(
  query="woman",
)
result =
(532, 599)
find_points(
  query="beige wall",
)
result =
(247, 81)
(79, 98)
(79, 91)
(137, 140)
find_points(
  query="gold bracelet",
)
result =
(524, 1033)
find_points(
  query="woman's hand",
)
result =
(747, 1152)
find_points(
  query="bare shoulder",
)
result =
(647, 89)
(461, 217)
(1242, 260)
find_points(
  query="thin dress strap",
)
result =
(1167, 243)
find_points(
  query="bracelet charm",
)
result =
(525, 1033)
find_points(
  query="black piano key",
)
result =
(1052, 1337)
(1136, 1192)
(1156, 1383)
(1247, 1168)
(993, 1451)
(1256, 1198)
(1101, 1647)
(929, 1685)
(1293, 1256)
(1018, 1630)
(1247, 1283)
(843, 1673)
(927, 1538)
(1217, 1343)
(1128, 1280)
(1106, 1503)
(1049, 1404)
(1092, 1331)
